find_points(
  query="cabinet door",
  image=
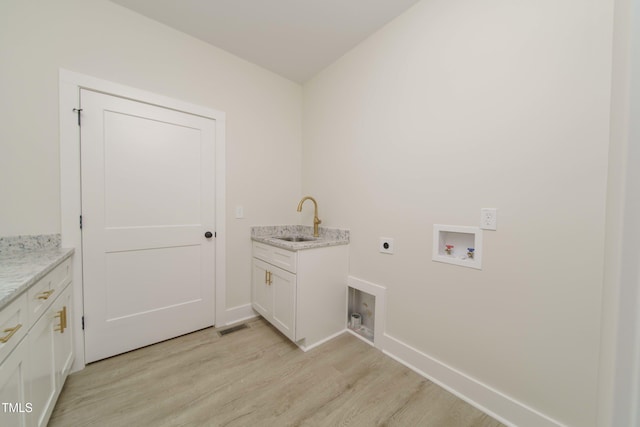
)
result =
(283, 286)
(42, 378)
(13, 388)
(261, 295)
(62, 340)
(14, 324)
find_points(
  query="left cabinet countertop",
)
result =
(21, 269)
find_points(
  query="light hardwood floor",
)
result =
(256, 377)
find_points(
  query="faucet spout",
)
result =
(316, 220)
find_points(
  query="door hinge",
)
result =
(83, 323)
(78, 110)
(80, 222)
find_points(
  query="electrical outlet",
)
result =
(489, 218)
(386, 245)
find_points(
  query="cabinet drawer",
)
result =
(282, 258)
(62, 275)
(41, 295)
(13, 325)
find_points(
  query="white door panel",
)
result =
(142, 160)
(152, 279)
(148, 197)
(136, 238)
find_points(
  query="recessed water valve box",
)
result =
(458, 245)
(366, 310)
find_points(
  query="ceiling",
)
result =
(293, 38)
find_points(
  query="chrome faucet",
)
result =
(316, 220)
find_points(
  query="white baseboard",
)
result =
(360, 337)
(238, 314)
(322, 341)
(490, 401)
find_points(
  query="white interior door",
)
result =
(148, 198)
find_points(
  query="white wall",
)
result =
(104, 40)
(454, 106)
(460, 105)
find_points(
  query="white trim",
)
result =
(221, 219)
(360, 337)
(380, 292)
(238, 314)
(490, 401)
(626, 379)
(319, 343)
(135, 94)
(619, 370)
(70, 206)
(70, 203)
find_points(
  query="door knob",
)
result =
(208, 234)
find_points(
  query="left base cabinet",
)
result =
(36, 359)
(14, 367)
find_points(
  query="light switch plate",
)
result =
(239, 212)
(489, 218)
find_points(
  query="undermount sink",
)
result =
(297, 238)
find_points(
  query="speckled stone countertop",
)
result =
(24, 260)
(328, 236)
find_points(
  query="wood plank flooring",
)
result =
(256, 377)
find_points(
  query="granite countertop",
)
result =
(19, 269)
(328, 236)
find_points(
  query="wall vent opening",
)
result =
(232, 329)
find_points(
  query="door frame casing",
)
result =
(70, 183)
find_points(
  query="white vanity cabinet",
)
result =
(13, 388)
(302, 293)
(34, 368)
(63, 355)
(50, 341)
(13, 363)
(274, 292)
(42, 378)
(51, 355)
